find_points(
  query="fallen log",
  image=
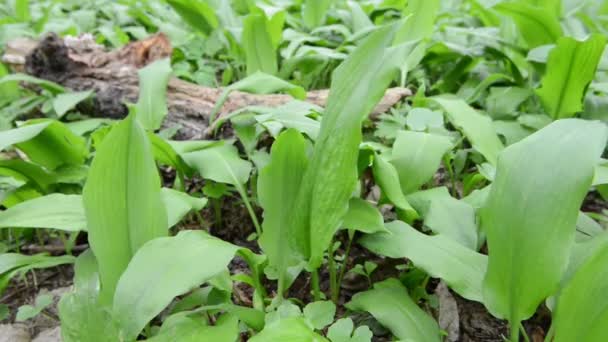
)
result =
(81, 64)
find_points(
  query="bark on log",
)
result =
(81, 64)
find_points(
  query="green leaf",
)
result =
(476, 127)
(123, 180)
(320, 314)
(293, 329)
(21, 134)
(27, 172)
(530, 214)
(537, 25)
(67, 101)
(54, 146)
(416, 157)
(387, 178)
(47, 85)
(460, 267)
(454, 219)
(332, 174)
(55, 211)
(363, 216)
(83, 319)
(258, 83)
(421, 21)
(178, 204)
(220, 163)
(582, 311)
(151, 104)
(343, 328)
(165, 266)
(26, 312)
(257, 44)
(570, 69)
(193, 329)
(314, 11)
(278, 186)
(197, 14)
(391, 305)
(12, 264)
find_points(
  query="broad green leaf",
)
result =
(342, 330)
(278, 186)
(55, 211)
(123, 180)
(416, 157)
(193, 329)
(165, 154)
(27, 172)
(363, 216)
(421, 21)
(83, 127)
(196, 13)
(257, 44)
(21, 134)
(26, 312)
(221, 164)
(314, 11)
(421, 200)
(530, 214)
(476, 127)
(12, 264)
(54, 146)
(460, 267)
(537, 25)
(47, 85)
(357, 85)
(83, 319)
(570, 69)
(387, 178)
(67, 101)
(165, 266)
(151, 104)
(320, 314)
(582, 311)
(455, 219)
(293, 329)
(392, 306)
(178, 204)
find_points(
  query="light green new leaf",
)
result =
(278, 186)
(357, 85)
(193, 329)
(67, 101)
(391, 305)
(26, 312)
(537, 25)
(55, 211)
(24, 133)
(454, 219)
(476, 127)
(164, 265)
(530, 213)
(257, 44)
(83, 319)
(196, 13)
(416, 157)
(54, 146)
(293, 329)
(123, 181)
(570, 69)
(151, 105)
(178, 204)
(314, 11)
(320, 313)
(363, 216)
(440, 256)
(387, 178)
(421, 21)
(221, 164)
(582, 310)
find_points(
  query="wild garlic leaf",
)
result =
(151, 104)
(537, 25)
(123, 180)
(570, 69)
(530, 214)
(257, 44)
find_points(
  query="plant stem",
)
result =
(514, 331)
(351, 235)
(550, 333)
(524, 332)
(315, 285)
(333, 280)
(254, 218)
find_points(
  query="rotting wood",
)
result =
(81, 64)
